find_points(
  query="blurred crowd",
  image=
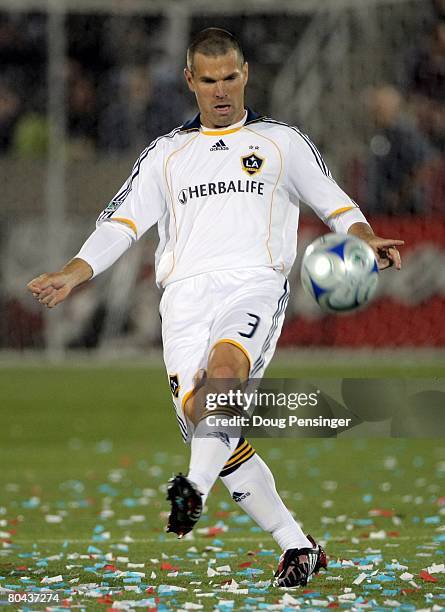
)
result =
(110, 76)
(404, 169)
(121, 93)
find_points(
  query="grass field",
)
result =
(84, 457)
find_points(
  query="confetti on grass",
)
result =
(101, 541)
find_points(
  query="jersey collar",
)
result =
(195, 123)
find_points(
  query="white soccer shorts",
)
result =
(243, 307)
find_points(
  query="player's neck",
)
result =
(227, 127)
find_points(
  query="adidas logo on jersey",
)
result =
(237, 497)
(219, 146)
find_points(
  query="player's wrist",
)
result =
(362, 230)
(76, 272)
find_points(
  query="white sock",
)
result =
(211, 448)
(258, 497)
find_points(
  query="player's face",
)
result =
(218, 84)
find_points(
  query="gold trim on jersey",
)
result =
(339, 211)
(274, 188)
(131, 224)
(221, 132)
(185, 399)
(238, 345)
(173, 201)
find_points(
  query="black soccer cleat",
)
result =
(298, 565)
(186, 505)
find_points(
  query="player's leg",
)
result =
(213, 442)
(252, 487)
(247, 477)
(186, 309)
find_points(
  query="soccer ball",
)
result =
(340, 272)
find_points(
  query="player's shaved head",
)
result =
(213, 42)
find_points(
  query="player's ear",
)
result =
(245, 72)
(189, 78)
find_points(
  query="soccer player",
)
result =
(224, 189)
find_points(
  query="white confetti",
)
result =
(288, 600)
(53, 518)
(51, 580)
(360, 578)
(436, 569)
(377, 535)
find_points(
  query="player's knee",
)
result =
(223, 371)
(227, 362)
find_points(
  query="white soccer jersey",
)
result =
(228, 198)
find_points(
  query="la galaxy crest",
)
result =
(174, 384)
(252, 163)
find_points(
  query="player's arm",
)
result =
(105, 245)
(137, 206)
(312, 182)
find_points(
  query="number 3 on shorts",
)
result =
(253, 324)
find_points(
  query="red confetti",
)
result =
(381, 512)
(213, 531)
(222, 514)
(427, 577)
(407, 591)
(168, 566)
(393, 534)
(106, 599)
(125, 461)
(246, 564)
(333, 604)
(110, 568)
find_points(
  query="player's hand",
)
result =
(386, 251)
(50, 289)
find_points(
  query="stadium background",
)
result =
(86, 427)
(83, 92)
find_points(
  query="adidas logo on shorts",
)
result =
(219, 146)
(237, 497)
